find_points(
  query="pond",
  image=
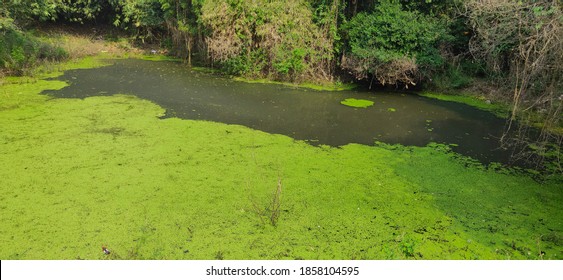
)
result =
(317, 117)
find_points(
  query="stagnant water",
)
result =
(315, 116)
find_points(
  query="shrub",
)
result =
(266, 38)
(391, 43)
(20, 51)
(520, 44)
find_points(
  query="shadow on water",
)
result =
(314, 116)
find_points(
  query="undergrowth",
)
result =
(20, 51)
(29, 52)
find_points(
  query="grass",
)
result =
(84, 43)
(106, 171)
(71, 47)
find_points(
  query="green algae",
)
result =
(79, 174)
(52, 70)
(356, 103)
(499, 215)
(16, 92)
(320, 87)
(159, 57)
(499, 110)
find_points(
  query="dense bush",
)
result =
(25, 11)
(144, 16)
(391, 44)
(19, 51)
(520, 44)
(266, 38)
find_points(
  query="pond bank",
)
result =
(500, 110)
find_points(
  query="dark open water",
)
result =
(314, 116)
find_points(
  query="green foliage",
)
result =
(520, 44)
(26, 11)
(503, 45)
(390, 33)
(295, 40)
(460, 34)
(18, 56)
(436, 8)
(19, 50)
(291, 62)
(250, 65)
(79, 10)
(140, 14)
(237, 65)
(282, 35)
(6, 22)
(458, 79)
(451, 78)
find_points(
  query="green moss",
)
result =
(160, 58)
(81, 173)
(357, 103)
(313, 86)
(500, 110)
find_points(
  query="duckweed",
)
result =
(79, 174)
(357, 103)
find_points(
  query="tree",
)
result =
(182, 21)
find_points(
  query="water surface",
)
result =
(314, 116)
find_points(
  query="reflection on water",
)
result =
(315, 116)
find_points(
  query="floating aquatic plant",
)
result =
(357, 103)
